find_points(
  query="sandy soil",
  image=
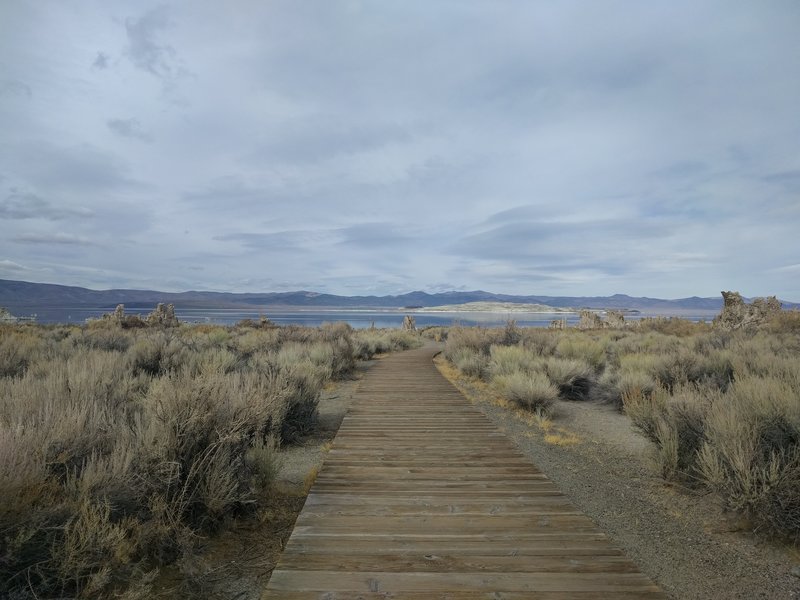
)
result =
(679, 537)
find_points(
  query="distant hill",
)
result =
(26, 296)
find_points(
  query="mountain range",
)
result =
(23, 295)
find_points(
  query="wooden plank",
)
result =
(373, 581)
(466, 595)
(421, 497)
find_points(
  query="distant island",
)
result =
(494, 307)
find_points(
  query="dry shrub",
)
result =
(645, 409)
(507, 360)
(532, 391)
(674, 326)
(471, 363)
(574, 378)
(118, 446)
(264, 462)
(675, 423)
(512, 335)
(583, 347)
(634, 382)
(786, 321)
(680, 434)
(752, 453)
(339, 339)
(18, 349)
(541, 342)
(103, 338)
(437, 333)
(477, 339)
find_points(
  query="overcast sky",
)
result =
(535, 147)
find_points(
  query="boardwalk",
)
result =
(422, 497)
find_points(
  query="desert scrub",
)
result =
(574, 378)
(470, 362)
(531, 391)
(721, 408)
(369, 342)
(477, 339)
(585, 348)
(119, 445)
(507, 360)
(751, 455)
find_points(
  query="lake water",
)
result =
(358, 318)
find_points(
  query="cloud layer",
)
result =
(362, 147)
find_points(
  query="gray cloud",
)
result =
(129, 128)
(25, 205)
(323, 137)
(374, 235)
(69, 239)
(15, 88)
(101, 61)
(143, 48)
(551, 148)
(9, 266)
(80, 167)
(281, 241)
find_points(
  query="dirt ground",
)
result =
(679, 537)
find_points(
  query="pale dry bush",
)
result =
(369, 342)
(574, 378)
(541, 342)
(583, 347)
(681, 433)
(471, 362)
(532, 391)
(91, 538)
(18, 349)
(633, 382)
(507, 360)
(118, 446)
(752, 452)
(253, 341)
(645, 409)
(264, 462)
(339, 337)
(477, 339)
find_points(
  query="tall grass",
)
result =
(119, 445)
(721, 408)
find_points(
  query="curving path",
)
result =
(422, 497)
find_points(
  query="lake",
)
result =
(357, 318)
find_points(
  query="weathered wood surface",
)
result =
(422, 497)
